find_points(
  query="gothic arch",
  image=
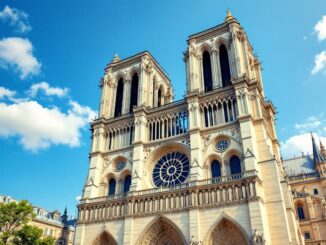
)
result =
(226, 231)
(161, 231)
(105, 238)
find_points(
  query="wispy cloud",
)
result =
(301, 141)
(298, 144)
(4, 92)
(47, 89)
(320, 28)
(18, 53)
(320, 63)
(38, 126)
(16, 18)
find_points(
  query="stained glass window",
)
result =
(171, 169)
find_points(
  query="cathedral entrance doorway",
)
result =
(104, 239)
(227, 233)
(161, 232)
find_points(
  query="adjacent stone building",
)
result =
(53, 224)
(203, 170)
(306, 175)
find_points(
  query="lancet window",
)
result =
(134, 91)
(112, 184)
(168, 126)
(159, 97)
(300, 211)
(224, 66)
(235, 165)
(119, 137)
(127, 183)
(215, 169)
(119, 99)
(219, 112)
(207, 72)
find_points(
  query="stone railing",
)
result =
(222, 191)
(303, 176)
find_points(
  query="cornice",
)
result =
(134, 59)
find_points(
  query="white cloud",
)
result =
(301, 141)
(310, 124)
(78, 198)
(320, 62)
(4, 92)
(18, 53)
(320, 28)
(38, 127)
(47, 89)
(295, 145)
(16, 18)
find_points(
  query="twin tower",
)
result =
(203, 170)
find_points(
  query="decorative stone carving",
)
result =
(146, 64)
(193, 50)
(193, 241)
(257, 239)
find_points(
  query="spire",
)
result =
(322, 149)
(318, 158)
(64, 217)
(228, 15)
(116, 58)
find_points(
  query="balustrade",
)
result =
(226, 190)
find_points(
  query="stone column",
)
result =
(113, 92)
(201, 72)
(126, 96)
(156, 95)
(141, 85)
(215, 68)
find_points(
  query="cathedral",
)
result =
(203, 170)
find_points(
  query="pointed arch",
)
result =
(112, 186)
(215, 169)
(224, 65)
(161, 231)
(159, 97)
(119, 98)
(207, 70)
(134, 91)
(235, 165)
(226, 231)
(105, 238)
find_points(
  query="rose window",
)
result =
(222, 145)
(171, 169)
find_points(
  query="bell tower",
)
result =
(203, 170)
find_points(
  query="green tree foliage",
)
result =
(31, 235)
(14, 228)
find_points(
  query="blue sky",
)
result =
(52, 56)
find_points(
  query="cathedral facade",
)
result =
(202, 170)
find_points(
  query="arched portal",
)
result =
(227, 232)
(161, 232)
(104, 239)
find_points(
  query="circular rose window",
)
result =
(171, 169)
(222, 145)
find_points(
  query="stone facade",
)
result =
(203, 170)
(306, 175)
